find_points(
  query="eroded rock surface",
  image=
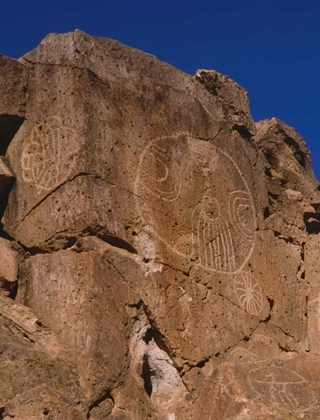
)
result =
(159, 256)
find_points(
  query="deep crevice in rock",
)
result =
(271, 303)
(284, 349)
(298, 154)
(243, 131)
(267, 171)
(268, 318)
(3, 205)
(266, 213)
(146, 375)
(273, 201)
(95, 404)
(70, 242)
(271, 158)
(202, 363)
(312, 222)
(153, 333)
(279, 235)
(118, 243)
(9, 288)
(34, 250)
(2, 410)
(316, 207)
(9, 125)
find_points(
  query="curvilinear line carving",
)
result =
(193, 197)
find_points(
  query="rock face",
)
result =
(159, 251)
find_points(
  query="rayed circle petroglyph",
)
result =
(49, 155)
(282, 388)
(248, 292)
(194, 198)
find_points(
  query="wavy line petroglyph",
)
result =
(49, 154)
(248, 293)
(193, 197)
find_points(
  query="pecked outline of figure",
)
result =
(166, 186)
(287, 393)
(211, 237)
(49, 155)
(241, 213)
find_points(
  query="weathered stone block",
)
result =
(82, 299)
(264, 391)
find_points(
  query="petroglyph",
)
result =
(49, 155)
(212, 241)
(248, 292)
(263, 339)
(282, 387)
(240, 211)
(242, 355)
(223, 387)
(159, 173)
(193, 197)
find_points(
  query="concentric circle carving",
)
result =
(194, 198)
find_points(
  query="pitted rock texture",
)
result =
(159, 250)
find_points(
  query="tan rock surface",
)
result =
(38, 380)
(170, 245)
(259, 390)
(9, 262)
(13, 86)
(82, 299)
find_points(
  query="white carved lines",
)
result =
(282, 387)
(49, 155)
(211, 237)
(243, 355)
(262, 339)
(159, 173)
(248, 292)
(241, 213)
(193, 197)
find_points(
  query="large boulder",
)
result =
(163, 239)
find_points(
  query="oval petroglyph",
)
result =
(194, 198)
(49, 155)
(282, 388)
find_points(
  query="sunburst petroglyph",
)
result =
(248, 292)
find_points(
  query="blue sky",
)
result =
(272, 48)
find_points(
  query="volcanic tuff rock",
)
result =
(159, 249)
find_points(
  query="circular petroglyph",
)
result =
(248, 292)
(49, 154)
(194, 198)
(282, 388)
